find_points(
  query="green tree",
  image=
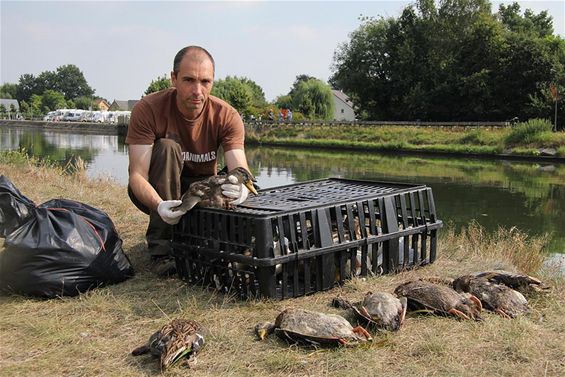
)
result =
(257, 94)
(26, 87)
(314, 99)
(12, 111)
(451, 60)
(284, 102)
(46, 80)
(36, 105)
(234, 91)
(298, 80)
(539, 24)
(52, 100)
(8, 91)
(67, 79)
(84, 103)
(2, 111)
(71, 82)
(160, 83)
(24, 108)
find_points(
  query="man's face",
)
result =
(194, 82)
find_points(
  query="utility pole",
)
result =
(555, 95)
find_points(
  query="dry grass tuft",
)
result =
(510, 248)
(94, 333)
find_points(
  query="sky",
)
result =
(121, 46)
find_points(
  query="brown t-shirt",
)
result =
(156, 116)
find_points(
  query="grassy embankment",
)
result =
(524, 139)
(94, 333)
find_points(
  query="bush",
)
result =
(528, 132)
(16, 158)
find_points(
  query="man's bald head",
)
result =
(195, 53)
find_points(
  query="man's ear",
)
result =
(173, 78)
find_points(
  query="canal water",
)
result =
(495, 193)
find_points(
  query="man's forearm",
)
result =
(144, 192)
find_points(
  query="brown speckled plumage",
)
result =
(178, 339)
(208, 192)
(441, 299)
(495, 297)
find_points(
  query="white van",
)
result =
(98, 116)
(85, 116)
(73, 116)
(112, 117)
(49, 116)
(60, 114)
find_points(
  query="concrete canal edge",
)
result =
(121, 129)
(96, 128)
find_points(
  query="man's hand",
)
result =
(236, 190)
(165, 210)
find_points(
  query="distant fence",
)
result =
(267, 124)
(121, 126)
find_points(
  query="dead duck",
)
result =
(312, 328)
(440, 299)
(208, 192)
(498, 298)
(176, 341)
(520, 282)
(381, 310)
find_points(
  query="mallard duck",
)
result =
(520, 282)
(208, 192)
(426, 296)
(498, 298)
(175, 341)
(381, 309)
(313, 329)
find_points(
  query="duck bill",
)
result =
(262, 334)
(250, 187)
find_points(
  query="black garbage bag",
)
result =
(62, 248)
(14, 207)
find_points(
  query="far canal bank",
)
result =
(258, 138)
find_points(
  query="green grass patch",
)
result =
(18, 157)
(529, 132)
(524, 139)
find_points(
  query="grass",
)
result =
(94, 333)
(522, 139)
(530, 132)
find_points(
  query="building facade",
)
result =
(343, 107)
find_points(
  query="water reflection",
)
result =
(530, 196)
(104, 155)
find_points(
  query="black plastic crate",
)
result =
(302, 238)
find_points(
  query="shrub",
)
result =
(528, 132)
(475, 137)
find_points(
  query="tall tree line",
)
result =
(452, 60)
(66, 86)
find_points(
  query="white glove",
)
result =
(235, 190)
(167, 214)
